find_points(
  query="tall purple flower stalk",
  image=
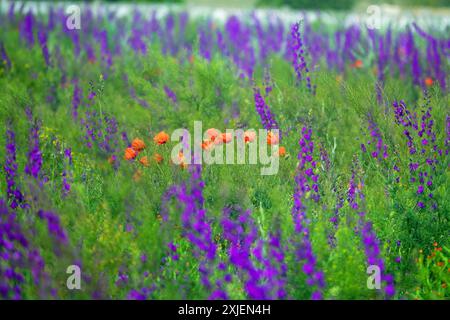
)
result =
(4, 56)
(298, 57)
(306, 182)
(376, 146)
(54, 225)
(368, 236)
(170, 94)
(34, 164)
(106, 55)
(206, 41)
(109, 134)
(76, 99)
(264, 276)
(42, 38)
(169, 46)
(125, 138)
(275, 266)
(434, 46)
(194, 220)
(262, 108)
(196, 227)
(12, 244)
(100, 129)
(67, 173)
(17, 254)
(136, 42)
(240, 47)
(90, 52)
(11, 14)
(27, 29)
(423, 150)
(13, 192)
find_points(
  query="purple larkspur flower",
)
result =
(12, 244)
(34, 164)
(67, 173)
(266, 282)
(136, 41)
(206, 41)
(54, 225)
(262, 108)
(421, 141)
(367, 233)
(42, 38)
(4, 56)
(298, 57)
(377, 146)
(170, 94)
(77, 96)
(306, 183)
(13, 192)
(27, 28)
(196, 227)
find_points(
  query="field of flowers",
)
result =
(87, 178)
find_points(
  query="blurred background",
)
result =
(349, 4)
(293, 4)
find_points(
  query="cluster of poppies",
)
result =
(138, 145)
(215, 138)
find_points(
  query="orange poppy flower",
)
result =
(249, 136)
(207, 145)
(357, 64)
(161, 138)
(158, 158)
(144, 161)
(428, 81)
(272, 138)
(130, 153)
(212, 133)
(138, 145)
(281, 151)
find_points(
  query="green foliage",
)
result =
(311, 4)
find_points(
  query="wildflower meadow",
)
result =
(160, 153)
